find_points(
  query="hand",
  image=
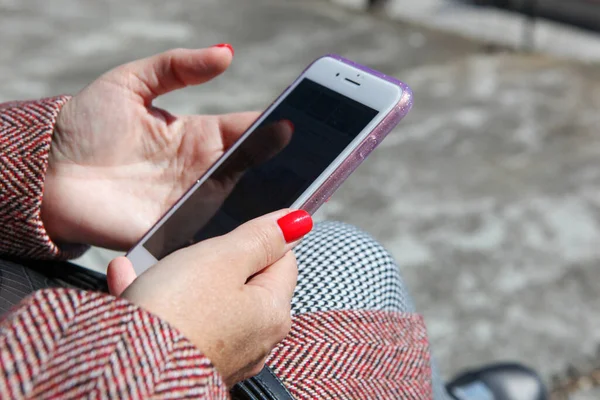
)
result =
(229, 295)
(117, 163)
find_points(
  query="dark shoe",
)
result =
(498, 382)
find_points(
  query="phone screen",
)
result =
(270, 169)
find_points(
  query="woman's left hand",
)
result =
(117, 163)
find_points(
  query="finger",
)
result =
(280, 278)
(174, 69)
(120, 275)
(275, 137)
(275, 285)
(232, 126)
(261, 242)
(253, 369)
(259, 147)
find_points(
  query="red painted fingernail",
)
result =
(289, 123)
(295, 225)
(227, 45)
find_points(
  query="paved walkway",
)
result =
(488, 195)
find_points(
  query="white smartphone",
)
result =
(296, 154)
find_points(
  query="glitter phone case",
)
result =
(369, 143)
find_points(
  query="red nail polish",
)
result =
(295, 225)
(227, 45)
(290, 124)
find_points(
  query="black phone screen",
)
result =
(270, 169)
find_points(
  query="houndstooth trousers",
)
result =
(341, 268)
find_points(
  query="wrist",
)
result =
(23, 231)
(55, 207)
(53, 220)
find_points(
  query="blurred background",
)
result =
(487, 194)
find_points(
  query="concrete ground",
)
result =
(488, 194)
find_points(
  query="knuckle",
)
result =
(256, 368)
(284, 328)
(263, 244)
(278, 320)
(293, 261)
(171, 53)
(282, 324)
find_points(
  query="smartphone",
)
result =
(296, 154)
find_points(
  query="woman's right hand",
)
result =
(230, 295)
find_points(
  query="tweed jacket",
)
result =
(69, 343)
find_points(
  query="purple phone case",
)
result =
(369, 143)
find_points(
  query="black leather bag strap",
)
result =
(20, 278)
(264, 386)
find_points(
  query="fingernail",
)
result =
(295, 225)
(226, 45)
(289, 123)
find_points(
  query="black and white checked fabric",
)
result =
(341, 267)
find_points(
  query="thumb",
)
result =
(119, 275)
(263, 241)
(174, 69)
(280, 278)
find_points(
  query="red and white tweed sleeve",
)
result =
(66, 343)
(355, 354)
(25, 137)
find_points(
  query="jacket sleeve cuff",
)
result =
(377, 354)
(25, 137)
(66, 343)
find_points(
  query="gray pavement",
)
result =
(488, 194)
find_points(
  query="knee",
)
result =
(342, 267)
